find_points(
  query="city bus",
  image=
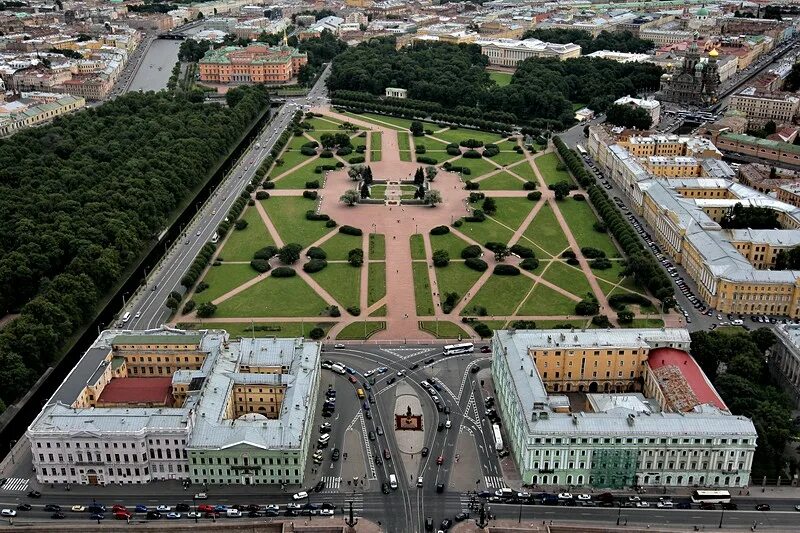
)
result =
(711, 496)
(455, 349)
(581, 149)
(498, 438)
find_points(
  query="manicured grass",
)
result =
(545, 232)
(486, 231)
(422, 289)
(382, 120)
(343, 282)
(449, 243)
(360, 330)
(545, 301)
(569, 278)
(580, 219)
(462, 134)
(524, 170)
(443, 329)
(242, 244)
(547, 165)
(650, 323)
(297, 177)
(508, 157)
(376, 282)
(291, 156)
(500, 295)
(377, 246)
(501, 78)
(261, 329)
(355, 142)
(338, 246)
(417, 247)
(429, 144)
(375, 142)
(478, 167)
(288, 214)
(501, 182)
(455, 277)
(605, 286)
(324, 123)
(578, 105)
(613, 274)
(403, 146)
(284, 297)
(512, 211)
(222, 279)
(381, 311)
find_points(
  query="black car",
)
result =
(368, 414)
(463, 515)
(271, 513)
(153, 515)
(24, 507)
(730, 506)
(58, 515)
(319, 486)
(291, 512)
(385, 488)
(51, 507)
(440, 488)
(440, 427)
(414, 366)
(378, 460)
(762, 507)
(185, 507)
(254, 514)
(474, 369)
(447, 409)
(424, 451)
(445, 525)
(335, 454)
(429, 361)
(390, 381)
(328, 505)
(34, 494)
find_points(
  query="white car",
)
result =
(642, 504)
(201, 496)
(8, 512)
(273, 507)
(584, 497)
(665, 505)
(302, 495)
(326, 512)
(78, 508)
(368, 373)
(194, 514)
(565, 496)
(447, 424)
(163, 508)
(292, 505)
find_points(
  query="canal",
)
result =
(156, 66)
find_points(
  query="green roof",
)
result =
(156, 339)
(763, 143)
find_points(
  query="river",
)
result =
(156, 67)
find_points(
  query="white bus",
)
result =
(126, 317)
(581, 149)
(338, 368)
(455, 349)
(498, 438)
(711, 496)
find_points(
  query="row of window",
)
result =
(246, 460)
(640, 440)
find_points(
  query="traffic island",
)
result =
(409, 428)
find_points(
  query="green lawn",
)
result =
(580, 219)
(613, 274)
(403, 146)
(456, 277)
(545, 232)
(282, 297)
(448, 242)
(376, 280)
(342, 281)
(501, 78)
(478, 167)
(500, 295)
(462, 134)
(261, 329)
(340, 244)
(547, 165)
(501, 182)
(360, 330)
(545, 301)
(223, 278)
(417, 247)
(324, 123)
(382, 120)
(442, 329)
(429, 144)
(299, 175)
(569, 278)
(292, 156)
(288, 214)
(486, 231)
(355, 142)
(507, 158)
(647, 323)
(381, 311)
(375, 141)
(422, 289)
(242, 244)
(524, 170)
(512, 211)
(377, 246)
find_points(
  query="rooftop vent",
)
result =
(631, 419)
(575, 419)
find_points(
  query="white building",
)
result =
(396, 92)
(621, 57)
(653, 107)
(784, 361)
(510, 52)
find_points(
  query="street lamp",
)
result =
(721, 516)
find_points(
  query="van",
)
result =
(233, 513)
(324, 438)
(360, 394)
(126, 317)
(393, 481)
(336, 367)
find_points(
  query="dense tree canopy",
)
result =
(192, 50)
(629, 117)
(741, 217)
(618, 41)
(79, 201)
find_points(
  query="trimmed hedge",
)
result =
(311, 195)
(522, 251)
(535, 196)
(476, 263)
(260, 265)
(473, 250)
(439, 230)
(266, 253)
(311, 215)
(283, 272)
(529, 186)
(315, 252)
(350, 230)
(355, 160)
(427, 160)
(506, 270)
(529, 263)
(314, 265)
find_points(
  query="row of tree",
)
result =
(81, 198)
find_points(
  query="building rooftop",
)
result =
(137, 391)
(156, 339)
(676, 370)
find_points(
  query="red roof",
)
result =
(691, 373)
(138, 391)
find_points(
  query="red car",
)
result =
(205, 508)
(117, 508)
(122, 515)
(440, 460)
(352, 379)
(485, 349)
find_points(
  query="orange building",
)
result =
(256, 63)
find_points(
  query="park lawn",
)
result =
(512, 211)
(448, 242)
(355, 142)
(223, 278)
(381, 311)
(544, 301)
(631, 284)
(569, 278)
(507, 158)
(403, 141)
(242, 244)
(382, 120)
(580, 220)
(299, 176)
(377, 246)
(650, 323)
(282, 297)
(417, 247)
(545, 232)
(605, 286)
(324, 123)
(340, 244)
(524, 170)
(360, 330)
(613, 274)
(477, 167)
(342, 281)
(429, 144)
(502, 181)
(578, 105)
(462, 134)
(292, 156)
(501, 78)
(376, 146)
(442, 329)
(262, 329)
(486, 231)
(422, 289)
(500, 295)
(376, 282)
(547, 165)
(377, 191)
(457, 278)
(288, 215)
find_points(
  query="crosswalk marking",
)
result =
(405, 353)
(16, 484)
(331, 483)
(495, 482)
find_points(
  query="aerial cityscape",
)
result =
(372, 265)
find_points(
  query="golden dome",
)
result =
(713, 53)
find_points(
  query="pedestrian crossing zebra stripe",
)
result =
(332, 483)
(15, 484)
(495, 482)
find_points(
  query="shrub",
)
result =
(587, 307)
(477, 216)
(268, 185)
(573, 261)
(450, 301)
(330, 224)
(591, 253)
(311, 195)
(206, 310)
(283, 272)
(357, 159)
(476, 197)
(354, 310)
(310, 144)
(305, 150)
(333, 311)
(578, 197)
(201, 287)
(420, 150)
(458, 223)
(355, 257)
(601, 321)
(529, 263)
(441, 258)
(314, 184)
(483, 330)
(472, 154)
(315, 252)
(471, 143)
(600, 227)
(473, 250)
(260, 265)
(495, 246)
(240, 224)
(262, 195)
(472, 186)
(618, 301)
(326, 154)
(440, 230)
(476, 263)
(315, 265)
(522, 251)
(344, 150)
(188, 307)
(316, 333)
(427, 160)
(506, 270)
(266, 252)
(453, 150)
(289, 253)
(567, 254)
(311, 215)
(535, 196)
(350, 230)
(529, 186)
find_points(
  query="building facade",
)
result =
(653, 107)
(695, 83)
(762, 107)
(511, 52)
(784, 360)
(255, 63)
(35, 109)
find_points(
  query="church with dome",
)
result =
(693, 83)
